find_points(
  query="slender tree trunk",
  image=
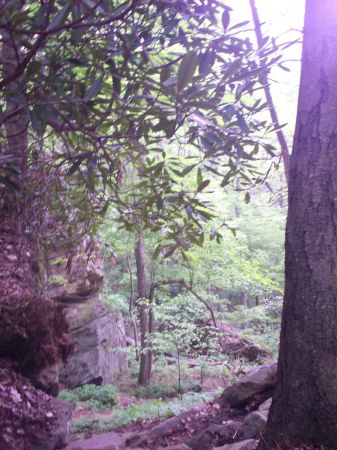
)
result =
(272, 110)
(143, 306)
(131, 309)
(304, 408)
(244, 299)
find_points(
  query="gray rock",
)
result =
(48, 379)
(212, 384)
(256, 381)
(97, 333)
(106, 441)
(215, 434)
(176, 447)
(248, 444)
(59, 431)
(265, 407)
(253, 425)
(233, 343)
(98, 336)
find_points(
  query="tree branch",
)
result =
(264, 78)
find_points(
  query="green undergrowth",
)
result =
(149, 409)
(93, 397)
(159, 390)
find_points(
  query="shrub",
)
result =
(96, 397)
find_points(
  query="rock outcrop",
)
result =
(97, 333)
(98, 336)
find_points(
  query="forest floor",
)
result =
(179, 417)
(185, 426)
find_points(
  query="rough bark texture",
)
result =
(304, 409)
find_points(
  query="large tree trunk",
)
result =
(304, 409)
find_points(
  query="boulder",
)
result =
(258, 380)
(248, 444)
(215, 435)
(253, 425)
(265, 407)
(232, 343)
(47, 379)
(212, 384)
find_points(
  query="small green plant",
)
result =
(147, 410)
(155, 390)
(95, 397)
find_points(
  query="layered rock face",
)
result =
(98, 334)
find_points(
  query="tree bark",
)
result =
(144, 316)
(304, 408)
(131, 308)
(244, 299)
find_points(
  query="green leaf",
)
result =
(171, 251)
(165, 74)
(37, 124)
(188, 169)
(116, 85)
(183, 254)
(242, 123)
(226, 179)
(34, 67)
(186, 70)
(168, 126)
(225, 19)
(281, 66)
(160, 202)
(206, 62)
(199, 176)
(203, 185)
(156, 252)
(269, 149)
(74, 167)
(94, 89)
(60, 17)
